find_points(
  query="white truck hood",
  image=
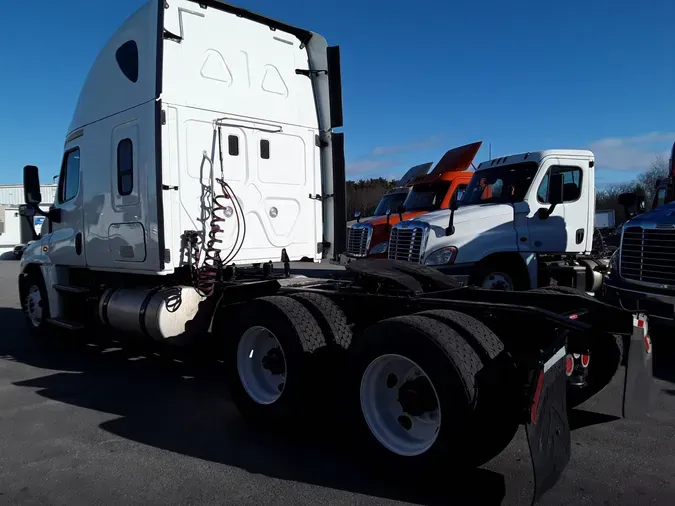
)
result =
(468, 213)
(479, 231)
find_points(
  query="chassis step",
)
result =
(65, 324)
(71, 289)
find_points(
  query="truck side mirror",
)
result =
(31, 185)
(357, 215)
(400, 210)
(555, 192)
(627, 199)
(454, 204)
(555, 195)
(388, 213)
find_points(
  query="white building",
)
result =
(14, 229)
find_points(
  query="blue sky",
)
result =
(418, 78)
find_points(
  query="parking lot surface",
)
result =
(98, 422)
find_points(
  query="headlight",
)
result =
(379, 248)
(441, 256)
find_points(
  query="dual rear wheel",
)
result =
(417, 389)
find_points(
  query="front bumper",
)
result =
(659, 306)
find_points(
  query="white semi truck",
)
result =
(524, 220)
(203, 142)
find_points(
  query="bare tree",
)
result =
(645, 181)
(650, 178)
(365, 194)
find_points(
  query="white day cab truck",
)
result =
(204, 142)
(524, 220)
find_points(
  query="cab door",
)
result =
(66, 242)
(567, 228)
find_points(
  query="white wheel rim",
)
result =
(498, 281)
(404, 433)
(34, 306)
(261, 364)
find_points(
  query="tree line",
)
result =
(364, 195)
(607, 198)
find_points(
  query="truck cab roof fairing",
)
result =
(108, 88)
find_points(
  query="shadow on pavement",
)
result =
(176, 401)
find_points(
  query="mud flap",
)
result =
(548, 430)
(639, 389)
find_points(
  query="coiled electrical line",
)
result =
(205, 277)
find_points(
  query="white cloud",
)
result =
(635, 153)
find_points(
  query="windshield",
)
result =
(391, 201)
(427, 196)
(500, 185)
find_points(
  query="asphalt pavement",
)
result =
(98, 422)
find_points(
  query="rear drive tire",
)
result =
(495, 418)
(270, 347)
(330, 317)
(333, 359)
(415, 386)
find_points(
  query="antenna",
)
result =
(490, 151)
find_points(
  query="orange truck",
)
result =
(430, 191)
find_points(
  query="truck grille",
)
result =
(405, 243)
(648, 255)
(358, 239)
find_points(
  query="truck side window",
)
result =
(233, 145)
(265, 149)
(127, 59)
(69, 180)
(571, 184)
(125, 167)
